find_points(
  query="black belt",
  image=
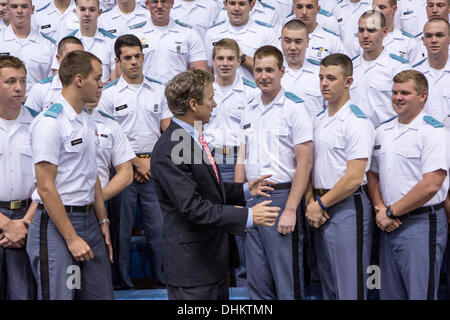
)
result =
(15, 204)
(85, 208)
(321, 192)
(145, 155)
(281, 186)
(225, 150)
(426, 209)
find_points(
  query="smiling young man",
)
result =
(250, 34)
(139, 105)
(408, 183)
(338, 204)
(21, 40)
(69, 243)
(277, 140)
(322, 40)
(170, 46)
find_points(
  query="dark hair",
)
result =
(76, 62)
(67, 40)
(127, 40)
(295, 25)
(339, 59)
(266, 51)
(184, 87)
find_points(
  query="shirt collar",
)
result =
(97, 116)
(186, 126)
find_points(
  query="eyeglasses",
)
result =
(155, 2)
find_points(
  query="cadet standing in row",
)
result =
(16, 208)
(68, 243)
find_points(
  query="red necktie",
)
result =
(208, 153)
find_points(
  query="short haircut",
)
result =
(267, 51)
(7, 61)
(295, 25)
(66, 40)
(438, 20)
(420, 81)
(339, 59)
(375, 13)
(98, 3)
(249, 1)
(76, 62)
(127, 40)
(184, 87)
(226, 44)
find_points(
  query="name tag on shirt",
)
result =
(103, 135)
(46, 26)
(377, 147)
(124, 106)
(248, 125)
(112, 31)
(144, 46)
(77, 141)
(4, 53)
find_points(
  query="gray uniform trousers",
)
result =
(275, 261)
(226, 165)
(126, 203)
(343, 248)
(16, 277)
(58, 275)
(411, 257)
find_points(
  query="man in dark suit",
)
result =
(200, 210)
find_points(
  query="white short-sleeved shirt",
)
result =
(401, 44)
(404, 153)
(118, 23)
(282, 7)
(35, 51)
(168, 50)
(108, 4)
(101, 45)
(438, 102)
(347, 15)
(69, 141)
(201, 14)
(322, 43)
(309, 90)
(138, 110)
(270, 133)
(347, 135)
(44, 93)
(372, 85)
(225, 122)
(249, 38)
(411, 16)
(114, 147)
(49, 19)
(262, 12)
(15, 159)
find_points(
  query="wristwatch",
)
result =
(390, 213)
(243, 58)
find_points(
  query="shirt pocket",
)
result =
(121, 110)
(177, 47)
(408, 161)
(335, 142)
(26, 160)
(105, 141)
(446, 95)
(154, 110)
(74, 144)
(236, 113)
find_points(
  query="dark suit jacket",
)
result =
(197, 213)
